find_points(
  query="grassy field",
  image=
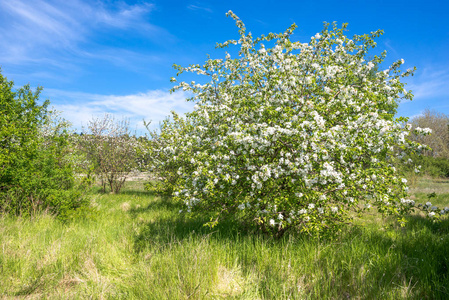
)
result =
(138, 247)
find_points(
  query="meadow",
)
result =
(137, 246)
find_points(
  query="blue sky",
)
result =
(93, 57)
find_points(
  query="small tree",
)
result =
(111, 149)
(293, 136)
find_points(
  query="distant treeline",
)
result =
(434, 162)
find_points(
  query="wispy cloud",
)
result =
(431, 83)
(124, 16)
(388, 44)
(79, 108)
(199, 8)
(54, 32)
(39, 22)
(430, 87)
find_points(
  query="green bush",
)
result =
(430, 166)
(434, 166)
(35, 161)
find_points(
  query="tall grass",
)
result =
(139, 247)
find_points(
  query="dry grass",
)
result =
(429, 185)
(230, 282)
(125, 206)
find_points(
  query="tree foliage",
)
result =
(163, 168)
(35, 168)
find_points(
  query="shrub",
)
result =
(34, 156)
(427, 165)
(295, 136)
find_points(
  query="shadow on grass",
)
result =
(34, 285)
(138, 193)
(374, 263)
(415, 256)
(171, 226)
(371, 262)
(127, 190)
(177, 228)
(417, 222)
(162, 204)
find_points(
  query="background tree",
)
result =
(111, 150)
(435, 161)
(439, 139)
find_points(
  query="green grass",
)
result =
(139, 247)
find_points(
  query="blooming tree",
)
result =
(159, 153)
(296, 135)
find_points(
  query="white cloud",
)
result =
(199, 8)
(50, 32)
(430, 89)
(388, 44)
(430, 83)
(79, 108)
